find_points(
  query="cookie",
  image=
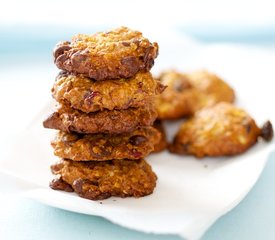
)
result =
(221, 130)
(101, 180)
(88, 95)
(100, 147)
(116, 121)
(176, 101)
(119, 53)
(212, 88)
(187, 93)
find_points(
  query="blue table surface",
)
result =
(20, 218)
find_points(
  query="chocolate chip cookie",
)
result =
(119, 53)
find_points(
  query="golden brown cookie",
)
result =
(116, 121)
(175, 101)
(221, 130)
(88, 95)
(119, 53)
(162, 143)
(212, 90)
(188, 93)
(100, 147)
(101, 180)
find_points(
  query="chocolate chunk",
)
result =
(137, 140)
(59, 184)
(100, 152)
(52, 121)
(56, 168)
(78, 184)
(125, 44)
(80, 60)
(267, 131)
(61, 48)
(137, 42)
(98, 74)
(147, 57)
(92, 193)
(131, 63)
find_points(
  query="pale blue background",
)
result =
(253, 218)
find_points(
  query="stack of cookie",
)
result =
(105, 110)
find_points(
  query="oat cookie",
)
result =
(119, 53)
(116, 121)
(88, 95)
(101, 180)
(221, 130)
(100, 146)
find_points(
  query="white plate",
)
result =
(191, 194)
